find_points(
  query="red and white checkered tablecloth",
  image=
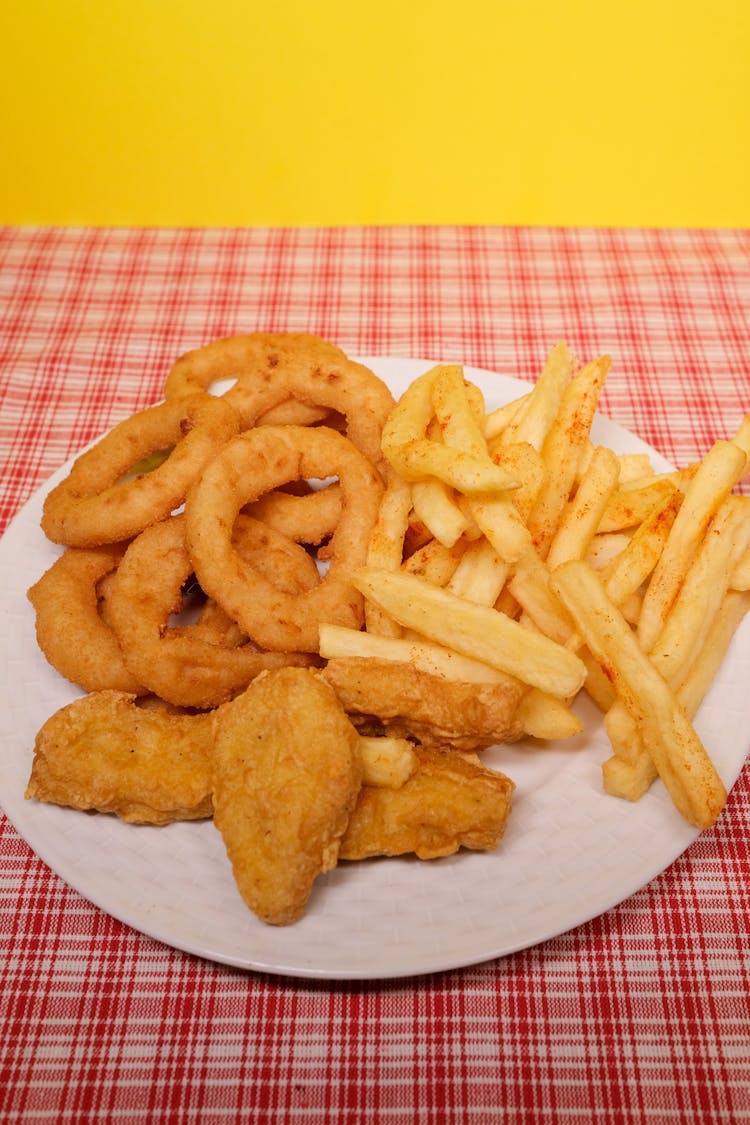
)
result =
(640, 1015)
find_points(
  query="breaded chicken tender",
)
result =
(447, 803)
(287, 773)
(409, 701)
(104, 752)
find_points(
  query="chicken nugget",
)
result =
(105, 752)
(446, 804)
(287, 772)
(412, 702)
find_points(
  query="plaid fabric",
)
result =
(640, 1015)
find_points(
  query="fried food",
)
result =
(309, 517)
(474, 630)
(253, 463)
(178, 663)
(94, 505)
(256, 356)
(71, 631)
(287, 773)
(410, 701)
(105, 752)
(673, 744)
(447, 803)
(288, 369)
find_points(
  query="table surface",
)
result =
(624, 1018)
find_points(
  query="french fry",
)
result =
(415, 456)
(581, 517)
(339, 641)
(740, 579)
(460, 427)
(696, 683)
(521, 460)
(629, 507)
(627, 572)
(721, 469)
(605, 548)
(500, 522)
(530, 587)
(499, 419)
(742, 437)
(630, 771)
(385, 550)
(562, 449)
(436, 508)
(545, 717)
(634, 466)
(387, 763)
(598, 686)
(682, 637)
(435, 562)
(672, 742)
(480, 575)
(474, 630)
(681, 646)
(533, 421)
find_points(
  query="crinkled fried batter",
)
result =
(104, 752)
(287, 773)
(434, 710)
(446, 804)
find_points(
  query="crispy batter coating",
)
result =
(447, 803)
(104, 752)
(434, 710)
(287, 773)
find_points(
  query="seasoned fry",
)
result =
(672, 743)
(434, 562)
(629, 507)
(723, 466)
(740, 579)
(480, 575)
(474, 630)
(415, 456)
(459, 424)
(627, 572)
(581, 518)
(562, 449)
(534, 419)
(498, 420)
(435, 506)
(437, 660)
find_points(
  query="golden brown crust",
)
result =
(287, 773)
(432, 709)
(448, 803)
(104, 752)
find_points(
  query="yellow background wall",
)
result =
(218, 112)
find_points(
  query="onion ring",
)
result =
(93, 506)
(305, 519)
(252, 356)
(277, 556)
(252, 464)
(70, 629)
(300, 367)
(175, 663)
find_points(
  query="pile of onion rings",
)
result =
(187, 580)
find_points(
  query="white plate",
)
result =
(569, 854)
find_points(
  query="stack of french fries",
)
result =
(509, 544)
